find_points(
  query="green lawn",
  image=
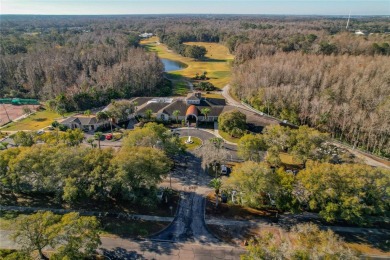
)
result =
(196, 142)
(289, 159)
(217, 62)
(133, 228)
(35, 121)
(228, 137)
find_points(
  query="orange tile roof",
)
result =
(192, 110)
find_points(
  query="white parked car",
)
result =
(224, 169)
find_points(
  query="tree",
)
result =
(154, 135)
(176, 114)
(277, 137)
(103, 116)
(61, 111)
(212, 153)
(251, 147)
(78, 237)
(51, 104)
(230, 120)
(120, 110)
(91, 141)
(216, 184)
(22, 138)
(141, 167)
(256, 183)
(35, 232)
(98, 136)
(313, 243)
(309, 243)
(87, 113)
(307, 143)
(148, 114)
(351, 192)
(73, 137)
(194, 51)
(205, 111)
(263, 247)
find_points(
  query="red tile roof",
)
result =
(192, 110)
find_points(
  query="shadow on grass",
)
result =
(379, 241)
(125, 228)
(213, 60)
(41, 119)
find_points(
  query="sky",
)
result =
(94, 7)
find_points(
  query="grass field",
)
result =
(196, 142)
(289, 159)
(228, 137)
(36, 121)
(217, 63)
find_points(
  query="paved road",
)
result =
(119, 248)
(189, 224)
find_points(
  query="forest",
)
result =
(307, 70)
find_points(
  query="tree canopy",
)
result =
(71, 236)
(351, 192)
(232, 122)
(309, 242)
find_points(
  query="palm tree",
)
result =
(216, 184)
(176, 115)
(98, 136)
(91, 141)
(87, 113)
(135, 104)
(148, 113)
(205, 111)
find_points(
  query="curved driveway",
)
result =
(205, 135)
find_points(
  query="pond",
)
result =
(171, 65)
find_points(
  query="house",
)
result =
(84, 122)
(359, 32)
(146, 35)
(191, 108)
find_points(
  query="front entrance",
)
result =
(192, 120)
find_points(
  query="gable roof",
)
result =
(176, 105)
(83, 120)
(155, 107)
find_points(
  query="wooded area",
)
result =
(307, 70)
(101, 176)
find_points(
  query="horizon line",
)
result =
(240, 14)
